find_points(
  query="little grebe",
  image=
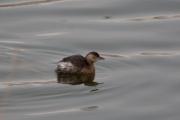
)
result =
(78, 65)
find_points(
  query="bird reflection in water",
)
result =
(76, 79)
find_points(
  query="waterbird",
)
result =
(77, 69)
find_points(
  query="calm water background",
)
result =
(140, 40)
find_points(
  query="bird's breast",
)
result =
(88, 70)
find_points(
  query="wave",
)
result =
(141, 18)
(142, 53)
(23, 3)
(22, 83)
(88, 108)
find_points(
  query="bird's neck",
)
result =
(90, 63)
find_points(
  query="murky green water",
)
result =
(138, 38)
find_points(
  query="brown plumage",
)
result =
(78, 65)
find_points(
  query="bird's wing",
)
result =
(77, 60)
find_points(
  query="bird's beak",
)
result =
(100, 58)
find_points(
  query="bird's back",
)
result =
(71, 64)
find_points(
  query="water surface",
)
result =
(138, 38)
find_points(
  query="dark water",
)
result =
(140, 40)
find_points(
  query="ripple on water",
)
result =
(142, 19)
(27, 2)
(68, 111)
(142, 53)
